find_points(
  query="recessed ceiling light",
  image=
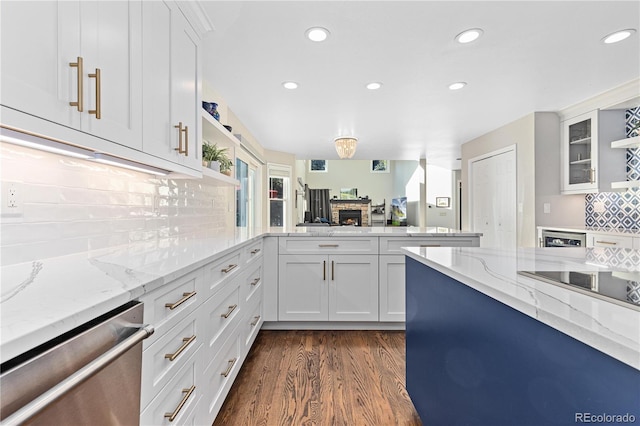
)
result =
(290, 85)
(618, 36)
(317, 34)
(374, 86)
(468, 36)
(457, 86)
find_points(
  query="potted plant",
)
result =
(213, 157)
(225, 165)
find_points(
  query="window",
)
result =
(279, 195)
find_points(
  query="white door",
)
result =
(170, 84)
(111, 41)
(39, 41)
(353, 288)
(302, 288)
(392, 288)
(493, 198)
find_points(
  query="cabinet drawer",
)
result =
(167, 355)
(303, 245)
(611, 241)
(182, 387)
(219, 375)
(220, 271)
(392, 245)
(251, 283)
(251, 325)
(166, 306)
(253, 251)
(220, 313)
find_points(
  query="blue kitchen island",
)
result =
(487, 345)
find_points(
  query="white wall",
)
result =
(440, 183)
(72, 206)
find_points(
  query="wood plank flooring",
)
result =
(324, 378)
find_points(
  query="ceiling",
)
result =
(533, 56)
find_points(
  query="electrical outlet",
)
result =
(11, 199)
(547, 207)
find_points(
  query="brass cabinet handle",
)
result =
(230, 365)
(255, 282)
(96, 111)
(255, 321)
(187, 392)
(592, 175)
(255, 251)
(606, 242)
(229, 268)
(328, 245)
(180, 131)
(324, 270)
(231, 309)
(332, 270)
(79, 65)
(185, 297)
(186, 141)
(187, 341)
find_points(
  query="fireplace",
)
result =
(350, 217)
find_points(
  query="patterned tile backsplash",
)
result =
(71, 206)
(621, 209)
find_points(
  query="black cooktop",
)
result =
(619, 287)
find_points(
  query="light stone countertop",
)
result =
(587, 229)
(609, 327)
(45, 298)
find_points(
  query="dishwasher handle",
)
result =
(34, 407)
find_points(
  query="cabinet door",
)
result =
(580, 153)
(111, 41)
(611, 241)
(39, 41)
(170, 84)
(353, 289)
(392, 288)
(302, 288)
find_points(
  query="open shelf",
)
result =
(584, 141)
(213, 131)
(583, 161)
(219, 177)
(633, 142)
(624, 185)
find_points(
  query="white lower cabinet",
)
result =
(317, 287)
(611, 241)
(206, 322)
(392, 291)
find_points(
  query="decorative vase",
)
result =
(205, 163)
(226, 172)
(215, 165)
(215, 112)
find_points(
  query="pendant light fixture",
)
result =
(346, 146)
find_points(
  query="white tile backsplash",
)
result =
(72, 206)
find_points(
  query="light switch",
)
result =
(547, 207)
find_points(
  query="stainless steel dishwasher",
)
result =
(88, 376)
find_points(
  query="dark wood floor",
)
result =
(324, 378)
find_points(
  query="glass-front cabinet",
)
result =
(588, 162)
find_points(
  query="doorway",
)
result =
(493, 207)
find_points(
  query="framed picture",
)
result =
(318, 166)
(379, 166)
(443, 201)
(348, 193)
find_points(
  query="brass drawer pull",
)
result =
(229, 269)
(79, 83)
(185, 297)
(230, 365)
(607, 242)
(188, 392)
(231, 309)
(255, 282)
(328, 245)
(255, 251)
(187, 341)
(430, 245)
(96, 111)
(255, 321)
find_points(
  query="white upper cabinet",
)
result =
(76, 63)
(171, 85)
(588, 162)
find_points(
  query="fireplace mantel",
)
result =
(364, 205)
(359, 201)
